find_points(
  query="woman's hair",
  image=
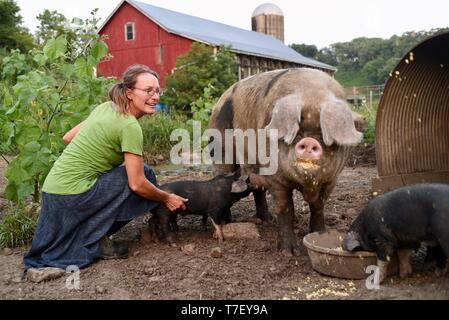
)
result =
(118, 92)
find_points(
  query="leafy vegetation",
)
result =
(50, 90)
(18, 225)
(366, 61)
(12, 34)
(196, 70)
(157, 130)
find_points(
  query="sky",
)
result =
(318, 22)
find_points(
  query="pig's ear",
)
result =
(352, 241)
(359, 121)
(239, 186)
(285, 117)
(337, 124)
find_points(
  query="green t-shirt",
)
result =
(98, 147)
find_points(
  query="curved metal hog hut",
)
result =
(412, 126)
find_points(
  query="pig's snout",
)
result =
(308, 149)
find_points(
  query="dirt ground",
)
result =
(248, 269)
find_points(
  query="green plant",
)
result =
(202, 107)
(18, 225)
(370, 114)
(58, 91)
(200, 67)
(157, 130)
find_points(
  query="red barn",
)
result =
(154, 36)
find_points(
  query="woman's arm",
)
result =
(68, 137)
(139, 184)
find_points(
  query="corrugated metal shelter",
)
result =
(143, 33)
(412, 126)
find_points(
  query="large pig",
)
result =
(316, 131)
(398, 221)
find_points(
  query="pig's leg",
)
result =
(383, 269)
(442, 251)
(173, 222)
(405, 267)
(164, 217)
(261, 206)
(385, 252)
(216, 217)
(284, 208)
(204, 222)
(317, 215)
(154, 226)
(437, 254)
(218, 232)
(227, 215)
(317, 209)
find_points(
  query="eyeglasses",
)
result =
(150, 91)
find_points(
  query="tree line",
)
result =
(366, 61)
(362, 61)
(14, 36)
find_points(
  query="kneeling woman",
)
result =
(88, 195)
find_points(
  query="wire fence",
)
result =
(364, 96)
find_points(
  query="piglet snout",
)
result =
(308, 149)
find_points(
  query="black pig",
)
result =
(212, 198)
(398, 221)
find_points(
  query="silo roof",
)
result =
(268, 8)
(216, 34)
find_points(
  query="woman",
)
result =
(88, 195)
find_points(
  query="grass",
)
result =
(18, 225)
(351, 79)
(157, 130)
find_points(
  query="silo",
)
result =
(269, 19)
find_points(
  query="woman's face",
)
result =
(144, 95)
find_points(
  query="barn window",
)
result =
(129, 31)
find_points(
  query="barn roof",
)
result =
(216, 34)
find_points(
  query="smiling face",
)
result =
(144, 96)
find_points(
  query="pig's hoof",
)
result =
(171, 242)
(288, 249)
(382, 276)
(405, 271)
(266, 217)
(286, 253)
(440, 272)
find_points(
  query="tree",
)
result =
(196, 70)
(12, 35)
(306, 50)
(327, 55)
(46, 99)
(52, 25)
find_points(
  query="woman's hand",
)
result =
(139, 184)
(174, 202)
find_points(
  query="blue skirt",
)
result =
(70, 226)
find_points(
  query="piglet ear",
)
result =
(337, 123)
(285, 117)
(352, 241)
(239, 186)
